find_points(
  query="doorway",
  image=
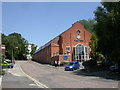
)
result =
(80, 53)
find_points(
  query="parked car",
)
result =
(8, 61)
(72, 66)
(114, 68)
(107, 63)
(7, 65)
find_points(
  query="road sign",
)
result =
(65, 57)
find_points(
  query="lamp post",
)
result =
(17, 55)
(13, 56)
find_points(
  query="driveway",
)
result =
(56, 77)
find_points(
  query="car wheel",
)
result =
(11, 66)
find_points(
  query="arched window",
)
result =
(78, 31)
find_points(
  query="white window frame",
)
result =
(69, 48)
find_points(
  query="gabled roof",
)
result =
(47, 44)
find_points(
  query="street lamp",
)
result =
(17, 55)
(12, 54)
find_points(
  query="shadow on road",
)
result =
(40, 62)
(106, 74)
(102, 74)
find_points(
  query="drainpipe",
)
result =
(71, 59)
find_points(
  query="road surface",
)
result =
(56, 77)
(29, 74)
(15, 78)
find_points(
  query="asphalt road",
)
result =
(55, 77)
(15, 78)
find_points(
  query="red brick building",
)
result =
(71, 45)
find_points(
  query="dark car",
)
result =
(114, 68)
(72, 66)
(107, 63)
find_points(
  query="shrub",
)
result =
(89, 63)
(0, 64)
(64, 63)
(106, 62)
(99, 62)
(2, 59)
(97, 56)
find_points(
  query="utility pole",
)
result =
(17, 50)
(12, 54)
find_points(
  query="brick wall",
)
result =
(69, 37)
(61, 58)
(44, 55)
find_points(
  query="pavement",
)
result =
(15, 78)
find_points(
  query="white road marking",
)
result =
(32, 84)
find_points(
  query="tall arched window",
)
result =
(78, 31)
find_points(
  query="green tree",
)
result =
(16, 46)
(33, 49)
(0, 63)
(93, 45)
(88, 24)
(107, 30)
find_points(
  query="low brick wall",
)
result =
(61, 58)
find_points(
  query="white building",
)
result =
(30, 49)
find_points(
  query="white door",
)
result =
(79, 53)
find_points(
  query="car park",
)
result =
(72, 66)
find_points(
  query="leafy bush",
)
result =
(106, 62)
(89, 63)
(0, 63)
(64, 63)
(98, 56)
(2, 59)
(99, 62)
